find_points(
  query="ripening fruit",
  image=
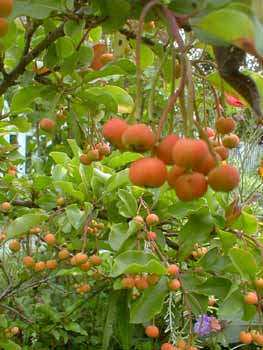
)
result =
(138, 137)
(28, 261)
(173, 269)
(225, 125)
(50, 239)
(209, 132)
(152, 331)
(258, 338)
(148, 172)
(190, 186)
(224, 178)
(47, 124)
(245, 337)
(140, 283)
(63, 254)
(60, 201)
(14, 246)
(14, 330)
(164, 150)
(251, 298)
(152, 219)
(149, 26)
(85, 267)
(103, 148)
(6, 206)
(168, 346)
(6, 7)
(138, 219)
(230, 141)
(174, 284)
(98, 51)
(174, 174)
(84, 159)
(106, 57)
(93, 155)
(40, 266)
(152, 279)
(222, 151)
(151, 236)
(259, 282)
(181, 344)
(189, 153)
(61, 115)
(35, 230)
(95, 260)
(51, 264)
(211, 300)
(3, 26)
(86, 288)
(127, 283)
(207, 164)
(11, 172)
(79, 259)
(113, 130)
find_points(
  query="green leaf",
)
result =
(133, 261)
(110, 319)
(36, 8)
(75, 327)
(21, 225)
(147, 55)
(244, 262)
(150, 303)
(127, 204)
(74, 215)
(231, 305)
(23, 98)
(118, 160)
(68, 188)
(228, 240)
(245, 222)
(124, 328)
(114, 19)
(9, 345)
(218, 286)
(123, 99)
(118, 180)
(65, 47)
(60, 158)
(121, 232)
(105, 72)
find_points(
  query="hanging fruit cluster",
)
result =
(6, 7)
(196, 163)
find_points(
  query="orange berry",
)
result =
(174, 174)
(152, 219)
(138, 219)
(181, 344)
(191, 186)
(168, 346)
(6, 7)
(152, 279)
(211, 301)
(63, 254)
(84, 159)
(14, 246)
(224, 178)
(164, 150)
(51, 264)
(79, 259)
(95, 259)
(138, 137)
(174, 284)
(173, 270)
(103, 148)
(152, 331)
(141, 283)
(28, 261)
(113, 130)
(47, 124)
(209, 132)
(245, 337)
(222, 151)
(11, 172)
(149, 172)
(225, 125)
(86, 288)
(50, 239)
(6, 206)
(40, 266)
(85, 267)
(259, 282)
(258, 338)
(3, 26)
(127, 283)
(106, 57)
(207, 164)
(251, 298)
(230, 141)
(14, 330)
(93, 155)
(151, 236)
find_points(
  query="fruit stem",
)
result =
(191, 97)
(138, 102)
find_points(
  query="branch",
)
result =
(16, 312)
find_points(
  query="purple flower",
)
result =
(206, 324)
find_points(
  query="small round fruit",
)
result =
(103, 148)
(151, 236)
(223, 178)
(152, 279)
(127, 283)
(211, 300)
(258, 338)
(259, 282)
(141, 283)
(93, 155)
(84, 159)
(11, 172)
(245, 337)
(40, 266)
(230, 141)
(152, 331)
(138, 137)
(174, 284)
(189, 153)
(138, 219)
(209, 132)
(181, 344)
(6, 206)
(3, 26)
(85, 267)
(63, 254)
(168, 346)
(80, 258)
(95, 260)
(113, 130)
(14, 246)
(225, 125)
(51, 264)
(222, 151)
(207, 164)
(14, 330)
(251, 298)
(28, 261)
(164, 150)
(47, 124)
(191, 186)
(174, 174)
(86, 288)
(106, 58)
(60, 201)
(173, 270)
(148, 172)
(50, 239)
(152, 219)
(6, 7)
(98, 51)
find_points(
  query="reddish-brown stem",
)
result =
(174, 28)
(138, 57)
